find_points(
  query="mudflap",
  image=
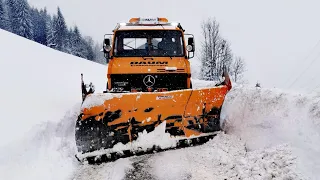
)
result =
(108, 119)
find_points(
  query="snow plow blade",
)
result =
(107, 119)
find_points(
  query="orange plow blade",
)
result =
(111, 118)
(123, 116)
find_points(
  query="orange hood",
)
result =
(133, 65)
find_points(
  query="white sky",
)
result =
(274, 37)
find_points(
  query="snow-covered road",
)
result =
(224, 157)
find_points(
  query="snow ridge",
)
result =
(46, 152)
(225, 157)
(265, 118)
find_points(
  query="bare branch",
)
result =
(238, 68)
(216, 55)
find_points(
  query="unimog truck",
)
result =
(148, 84)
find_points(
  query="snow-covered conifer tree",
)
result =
(20, 18)
(60, 31)
(39, 28)
(4, 19)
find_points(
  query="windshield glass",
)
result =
(157, 43)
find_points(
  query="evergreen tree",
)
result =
(88, 43)
(78, 47)
(99, 57)
(51, 39)
(39, 30)
(17, 16)
(68, 45)
(10, 5)
(60, 31)
(43, 26)
(2, 15)
(20, 16)
(4, 19)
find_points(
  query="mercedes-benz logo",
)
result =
(149, 80)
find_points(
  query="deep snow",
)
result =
(41, 99)
(224, 157)
(38, 84)
(46, 152)
(268, 117)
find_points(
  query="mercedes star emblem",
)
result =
(149, 80)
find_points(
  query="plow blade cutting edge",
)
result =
(109, 119)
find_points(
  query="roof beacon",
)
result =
(148, 21)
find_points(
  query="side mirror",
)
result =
(106, 49)
(191, 45)
(106, 45)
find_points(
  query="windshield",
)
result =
(157, 43)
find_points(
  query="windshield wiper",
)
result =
(129, 46)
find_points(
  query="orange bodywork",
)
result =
(124, 65)
(148, 65)
(178, 108)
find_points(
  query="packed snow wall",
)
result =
(267, 117)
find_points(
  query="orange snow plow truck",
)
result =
(148, 83)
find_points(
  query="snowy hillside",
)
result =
(270, 134)
(38, 87)
(38, 84)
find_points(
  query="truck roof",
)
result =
(149, 24)
(157, 27)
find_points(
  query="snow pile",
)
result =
(47, 152)
(265, 118)
(39, 86)
(157, 137)
(145, 141)
(111, 170)
(224, 157)
(277, 162)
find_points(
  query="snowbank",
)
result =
(39, 87)
(39, 84)
(224, 157)
(47, 152)
(264, 118)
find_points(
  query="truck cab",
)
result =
(148, 55)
